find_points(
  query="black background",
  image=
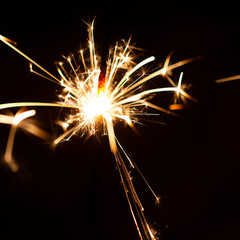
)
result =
(73, 191)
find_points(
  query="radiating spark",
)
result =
(19, 117)
(6, 119)
(103, 96)
(8, 42)
(237, 77)
(177, 106)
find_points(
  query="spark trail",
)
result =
(102, 96)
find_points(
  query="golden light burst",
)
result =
(102, 96)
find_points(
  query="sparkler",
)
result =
(101, 94)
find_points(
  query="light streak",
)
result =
(227, 79)
(21, 116)
(14, 121)
(103, 96)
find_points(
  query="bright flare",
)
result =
(96, 106)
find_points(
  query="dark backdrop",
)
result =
(73, 191)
